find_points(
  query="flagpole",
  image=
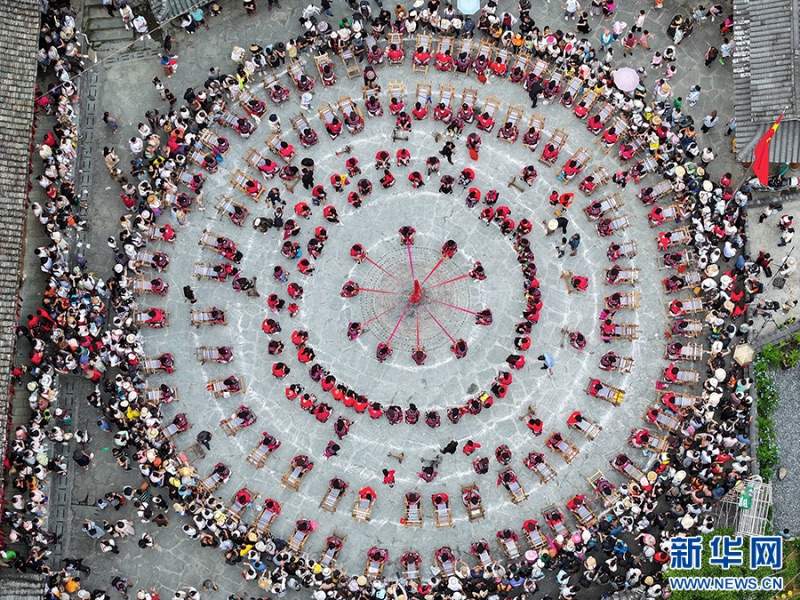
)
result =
(752, 164)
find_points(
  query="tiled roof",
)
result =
(766, 75)
(19, 22)
(166, 10)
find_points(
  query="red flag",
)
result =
(761, 153)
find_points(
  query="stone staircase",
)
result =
(101, 29)
(19, 586)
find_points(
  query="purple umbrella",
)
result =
(626, 79)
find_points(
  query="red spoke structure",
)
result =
(372, 262)
(417, 296)
(361, 289)
(435, 320)
(453, 280)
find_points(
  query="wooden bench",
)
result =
(274, 143)
(604, 488)
(297, 71)
(239, 180)
(362, 509)
(333, 545)
(557, 139)
(563, 447)
(141, 318)
(598, 208)
(322, 61)
(412, 510)
(586, 427)
(424, 41)
(351, 65)
(475, 510)
(441, 513)
(609, 393)
(220, 389)
(537, 463)
(333, 496)
(204, 317)
(265, 518)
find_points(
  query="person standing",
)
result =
(204, 438)
(140, 25)
(197, 16)
(709, 121)
(534, 92)
(638, 24)
(112, 122)
(571, 8)
(574, 242)
(447, 151)
(126, 12)
(188, 293)
(250, 8)
(388, 477)
(694, 95)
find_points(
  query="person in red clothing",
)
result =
(421, 57)
(580, 283)
(396, 106)
(442, 113)
(420, 112)
(387, 180)
(388, 477)
(470, 447)
(403, 157)
(485, 122)
(550, 153)
(415, 178)
(382, 160)
(499, 67)
(403, 121)
(535, 424)
(572, 168)
(443, 62)
(334, 127)
(594, 124)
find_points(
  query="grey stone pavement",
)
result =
(784, 492)
(124, 88)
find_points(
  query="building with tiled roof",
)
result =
(766, 76)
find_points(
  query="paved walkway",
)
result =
(443, 381)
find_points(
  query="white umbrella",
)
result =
(626, 79)
(744, 354)
(468, 7)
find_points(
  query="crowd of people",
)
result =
(87, 326)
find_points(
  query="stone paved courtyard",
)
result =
(443, 381)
